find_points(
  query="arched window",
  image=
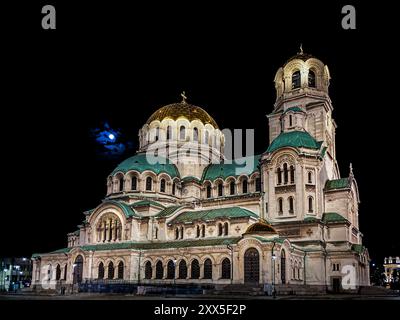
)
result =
(226, 269)
(290, 120)
(148, 270)
(197, 231)
(226, 228)
(258, 184)
(159, 270)
(220, 189)
(181, 232)
(310, 204)
(182, 133)
(220, 229)
(176, 233)
(279, 175)
(121, 184)
(182, 270)
(169, 133)
(170, 270)
(58, 272)
(157, 134)
(309, 177)
(155, 233)
(208, 191)
(195, 134)
(291, 205)
(232, 188)
(244, 186)
(203, 231)
(285, 174)
(65, 271)
(134, 183)
(162, 185)
(149, 183)
(101, 271)
(111, 270)
(291, 174)
(296, 80)
(311, 79)
(173, 188)
(280, 206)
(120, 271)
(195, 270)
(78, 269)
(207, 269)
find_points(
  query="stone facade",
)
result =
(288, 218)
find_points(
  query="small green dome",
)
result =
(140, 163)
(295, 139)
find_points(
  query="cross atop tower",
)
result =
(183, 95)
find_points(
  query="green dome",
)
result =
(295, 139)
(140, 163)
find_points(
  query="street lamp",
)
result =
(273, 275)
(175, 275)
(175, 271)
(231, 249)
(4, 279)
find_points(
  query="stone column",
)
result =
(90, 266)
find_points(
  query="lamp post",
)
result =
(273, 275)
(231, 249)
(18, 276)
(4, 279)
(73, 277)
(175, 275)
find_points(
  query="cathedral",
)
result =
(179, 212)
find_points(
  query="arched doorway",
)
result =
(78, 269)
(283, 267)
(251, 266)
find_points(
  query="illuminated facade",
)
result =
(391, 264)
(287, 219)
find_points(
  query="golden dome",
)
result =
(182, 109)
(262, 226)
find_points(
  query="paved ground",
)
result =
(195, 297)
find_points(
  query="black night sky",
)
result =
(115, 63)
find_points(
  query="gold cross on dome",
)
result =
(183, 95)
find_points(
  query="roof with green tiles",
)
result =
(212, 214)
(311, 219)
(342, 183)
(267, 240)
(168, 211)
(190, 179)
(333, 217)
(141, 162)
(125, 207)
(294, 109)
(149, 245)
(63, 250)
(144, 203)
(294, 139)
(359, 248)
(247, 165)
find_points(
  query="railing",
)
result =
(131, 287)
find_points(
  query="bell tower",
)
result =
(302, 100)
